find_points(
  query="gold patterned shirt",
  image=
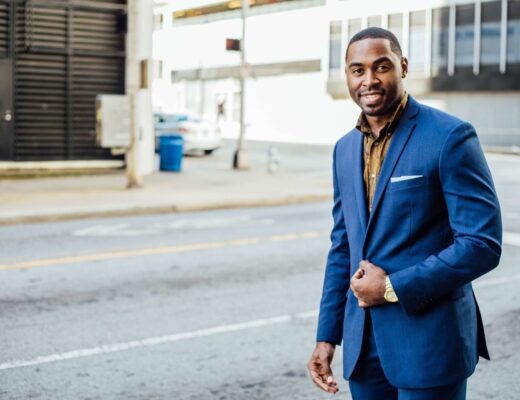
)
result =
(375, 148)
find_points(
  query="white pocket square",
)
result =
(404, 178)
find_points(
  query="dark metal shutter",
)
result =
(94, 34)
(6, 79)
(40, 83)
(67, 53)
(41, 102)
(4, 29)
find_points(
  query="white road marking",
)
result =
(308, 314)
(129, 229)
(511, 238)
(101, 230)
(154, 341)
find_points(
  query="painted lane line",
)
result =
(283, 238)
(511, 239)
(112, 255)
(308, 314)
(155, 251)
(154, 341)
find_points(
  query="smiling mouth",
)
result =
(371, 97)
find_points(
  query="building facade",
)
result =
(464, 58)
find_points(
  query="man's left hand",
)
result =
(369, 284)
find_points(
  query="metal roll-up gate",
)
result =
(60, 54)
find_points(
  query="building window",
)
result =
(513, 32)
(417, 39)
(374, 21)
(158, 20)
(335, 46)
(395, 25)
(464, 35)
(490, 33)
(354, 26)
(440, 35)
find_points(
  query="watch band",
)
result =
(390, 295)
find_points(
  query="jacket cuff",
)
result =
(411, 301)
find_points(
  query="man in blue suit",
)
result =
(416, 220)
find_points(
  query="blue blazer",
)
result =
(434, 228)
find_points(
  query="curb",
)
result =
(161, 209)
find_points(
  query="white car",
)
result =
(199, 134)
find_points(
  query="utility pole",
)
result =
(139, 157)
(133, 174)
(241, 158)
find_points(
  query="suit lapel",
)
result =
(359, 184)
(402, 133)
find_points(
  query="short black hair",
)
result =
(377, 33)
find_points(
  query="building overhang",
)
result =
(253, 70)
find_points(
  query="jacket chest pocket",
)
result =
(416, 194)
(397, 184)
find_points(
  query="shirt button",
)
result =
(373, 176)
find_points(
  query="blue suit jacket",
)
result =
(432, 235)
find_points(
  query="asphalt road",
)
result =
(211, 305)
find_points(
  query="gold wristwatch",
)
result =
(390, 295)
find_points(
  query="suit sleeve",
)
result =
(337, 274)
(474, 217)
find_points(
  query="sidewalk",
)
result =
(205, 183)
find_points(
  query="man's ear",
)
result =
(404, 67)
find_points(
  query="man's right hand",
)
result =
(319, 367)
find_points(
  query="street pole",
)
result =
(140, 155)
(133, 174)
(241, 158)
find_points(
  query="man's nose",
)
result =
(371, 80)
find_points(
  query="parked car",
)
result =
(199, 134)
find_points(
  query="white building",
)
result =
(464, 58)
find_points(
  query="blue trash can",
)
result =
(170, 152)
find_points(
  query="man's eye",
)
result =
(383, 68)
(357, 71)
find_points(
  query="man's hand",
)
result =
(368, 284)
(319, 367)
